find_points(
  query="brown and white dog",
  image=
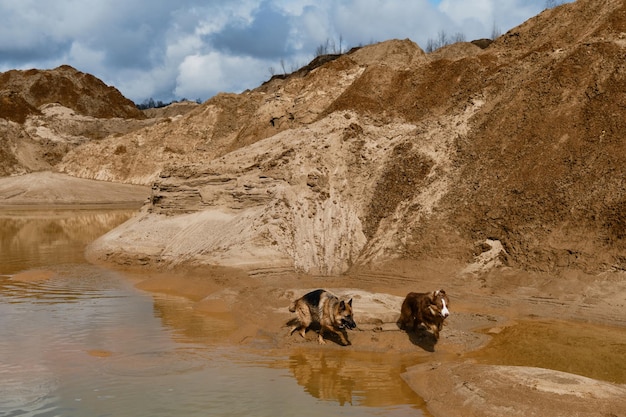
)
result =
(323, 309)
(427, 310)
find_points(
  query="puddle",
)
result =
(584, 349)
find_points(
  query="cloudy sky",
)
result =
(193, 49)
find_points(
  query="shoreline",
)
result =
(71, 206)
(52, 190)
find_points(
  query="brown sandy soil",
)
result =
(486, 391)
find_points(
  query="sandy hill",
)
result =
(46, 113)
(508, 155)
(22, 92)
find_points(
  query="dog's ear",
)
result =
(350, 302)
(442, 292)
(342, 305)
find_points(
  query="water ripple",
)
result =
(55, 290)
(26, 389)
(156, 363)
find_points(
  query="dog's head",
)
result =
(439, 303)
(343, 315)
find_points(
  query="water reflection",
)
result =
(357, 378)
(324, 377)
(33, 239)
(189, 326)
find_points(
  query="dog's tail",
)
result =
(292, 307)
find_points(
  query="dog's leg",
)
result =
(410, 323)
(304, 318)
(294, 328)
(403, 323)
(300, 327)
(320, 336)
(434, 329)
(343, 337)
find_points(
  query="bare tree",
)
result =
(458, 37)
(442, 40)
(430, 45)
(322, 49)
(495, 31)
(330, 47)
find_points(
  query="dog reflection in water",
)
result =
(325, 376)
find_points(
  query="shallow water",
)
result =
(33, 239)
(590, 350)
(80, 340)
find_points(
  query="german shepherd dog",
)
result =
(322, 309)
(424, 310)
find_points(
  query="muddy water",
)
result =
(80, 340)
(589, 350)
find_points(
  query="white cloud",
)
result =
(197, 73)
(312, 27)
(139, 85)
(475, 15)
(203, 75)
(90, 60)
(460, 11)
(363, 21)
